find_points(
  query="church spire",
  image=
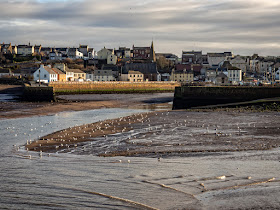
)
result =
(153, 55)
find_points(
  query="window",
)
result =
(37, 75)
(45, 76)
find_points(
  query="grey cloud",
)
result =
(229, 23)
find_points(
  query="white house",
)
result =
(234, 75)
(74, 53)
(45, 74)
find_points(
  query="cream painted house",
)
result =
(79, 75)
(132, 76)
(135, 76)
(104, 53)
(181, 76)
(112, 59)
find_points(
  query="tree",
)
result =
(163, 64)
(68, 61)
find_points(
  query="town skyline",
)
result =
(208, 26)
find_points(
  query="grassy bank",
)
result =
(112, 87)
(110, 91)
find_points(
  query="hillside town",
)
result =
(137, 64)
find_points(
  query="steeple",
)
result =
(153, 54)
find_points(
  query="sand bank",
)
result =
(170, 133)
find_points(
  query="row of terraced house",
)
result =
(140, 64)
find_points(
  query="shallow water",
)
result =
(7, 97)
(74, 181)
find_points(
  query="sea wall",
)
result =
(38, 94)
(112, 87)
(188, 97)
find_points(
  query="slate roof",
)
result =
(57, 71)
(197, 68)
(110, 67)
(49, 70)
(145, 68)
(53, 70)
(181, 67)
(24, 46)
(182, 72)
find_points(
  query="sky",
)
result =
(243, 27)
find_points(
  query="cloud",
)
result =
(209, 25)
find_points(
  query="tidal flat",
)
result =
(154, 159)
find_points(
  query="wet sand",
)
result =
(170, 133)
(69, 138)
(9, 110)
